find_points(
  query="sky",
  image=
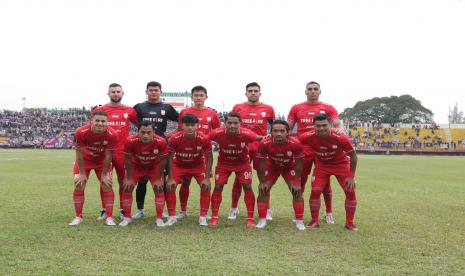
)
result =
(65, 53)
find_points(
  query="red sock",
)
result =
(184, 197)
(249, 199)
(262, 206)
(236, 193)
(126, 202)
(120, 192)
(268, 201)
(108, 201)
(315, 203)
(216, 199)
(298, 209)
(171, 203)
(78, 198)
(328, 196)
(159, 204)
(351, 205)
(204, 203)
(101, 197)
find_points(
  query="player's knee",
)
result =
(219, 187)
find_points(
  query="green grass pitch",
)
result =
(411, 215)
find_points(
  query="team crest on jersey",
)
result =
(334, 146)
(322, 112)
(263, 114)
(209, 119)
(125, 115)
(162, 112)
(199, 147)
(155, 151)
(323, 147)
(105, 142)
(243, 145)
(311, 113)
(289, 153)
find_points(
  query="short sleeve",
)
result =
(332, 113)
(292, 114)
(79, 140)
(346, 144)
(128, 145)
(163, 147)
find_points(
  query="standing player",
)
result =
(145, 156)
(256, 116)
(233, 157)
(207, 121)
(94, 143)
(282, 155)
(157, 113)
(120, 117)
(336, 156)
(302, 114)
(190, 156)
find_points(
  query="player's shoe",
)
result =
(125, 222)
(233, 212)
(351, 227)
(299, 224)
(139, 214)
(329, 219)
(110, 221)
(171, 221)
(181, 215)
(103, 215)
(121, 214)
(313, 224)
(261, 224)
(214, 221)
(159, 222)
(75, 221)
(269, 214)
(250, 223)
(203, 221)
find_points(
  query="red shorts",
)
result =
(88, 167)
(253, 153)
(243, 175)
(149, 172)
(180, 173)
(322, 174)
(118, 163)
(272, 174)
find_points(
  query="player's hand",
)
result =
(340, 131)
(170, 184)
(205, 185)
(106, 180)
(128, 183)
(158, 185)
(350, 184)
(264, 187)
(80, 180)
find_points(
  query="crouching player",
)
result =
(233, 157)
(145, 156)
(95, 144)
(282, 155)
(336, 156)
(190, 156)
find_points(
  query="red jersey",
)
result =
(280, 155)
(328, 151)
(208, 118)
(233, 148)
(189, 152)
(304, 113)
(95, 144)
(119, 118)
(146, 154)
(255, 117)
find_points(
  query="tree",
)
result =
(456, 116)
(402, 109)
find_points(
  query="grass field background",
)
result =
(411, 216)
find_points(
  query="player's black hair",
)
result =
(145, 124)
(313, 82)
(233, 114)
(101, 113)
(280, 122)
(189, 119)
(114, 85)
(321, 117)
(252, 84)
(198, 88)
(153, 84)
